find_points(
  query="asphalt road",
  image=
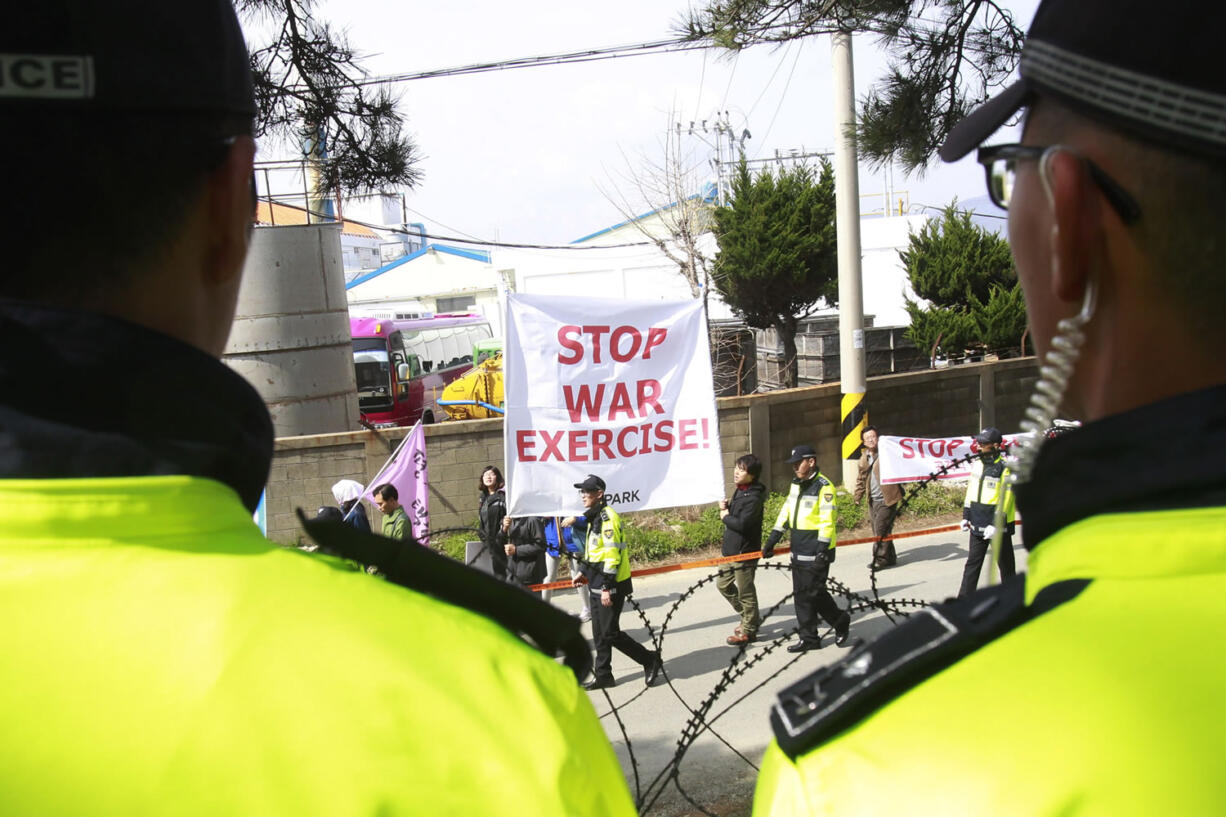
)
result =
(717, 769)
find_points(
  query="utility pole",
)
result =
(847, 224)
(721, 129)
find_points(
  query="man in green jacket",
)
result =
(160, 656)
(1092, 685)
(395, 519)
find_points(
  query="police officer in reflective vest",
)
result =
(164, 657)
(1091, 685)
(988, 481)
(606, 568)
(811, 514)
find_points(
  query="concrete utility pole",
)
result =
(851, 289)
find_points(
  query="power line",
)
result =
(588, 55)
(325, 218)
(614, 52)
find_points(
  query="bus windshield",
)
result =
(373, 372)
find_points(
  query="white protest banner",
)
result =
(908, 459)
(619, 389)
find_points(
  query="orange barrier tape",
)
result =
(745, 557)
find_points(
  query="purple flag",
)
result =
(407, 471)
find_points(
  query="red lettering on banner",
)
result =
(615, 342)
(574, 445)
(586, 402)
(664, 436)
(620, 404)
(687, 433)
(596, 332)
(569, 338)
(583, 400)
(621, 442)
(552, 446)
(602, 438)
(649, 395)
(577, 450)
(571, 343)
(907, 452)
(655, 336)
(523, 444)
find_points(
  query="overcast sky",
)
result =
(523, 155)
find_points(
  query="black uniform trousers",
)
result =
(974, 561)
(607, 633)
(811, 597)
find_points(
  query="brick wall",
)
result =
(943, 402)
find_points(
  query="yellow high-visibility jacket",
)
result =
(162, 658)
(605, 551)
(1102, 697)
(812, 514)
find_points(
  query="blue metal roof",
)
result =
(473, 255)
(708, 195)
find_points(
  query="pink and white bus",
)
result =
(403, 365)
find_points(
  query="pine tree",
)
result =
(966, 275)
(777, 259)
(946, 57)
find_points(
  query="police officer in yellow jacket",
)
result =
(987, 491)
(160, 656)
(1094, 682)
(811, 513)
(606, 568)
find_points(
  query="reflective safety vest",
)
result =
(605, 550)
(1107, 704)
(810, 511)
(983, 491)
(162, 658)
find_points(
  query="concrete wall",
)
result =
(942, 402)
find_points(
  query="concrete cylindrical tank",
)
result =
(291, 331)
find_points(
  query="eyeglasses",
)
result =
(1000, 161)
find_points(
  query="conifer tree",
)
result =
(778, 259)
(966, 276)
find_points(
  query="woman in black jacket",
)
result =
(491, 513)
(742, 518)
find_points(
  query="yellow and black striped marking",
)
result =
(855, 418)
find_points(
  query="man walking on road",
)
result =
(883, 500)
(606, 568)
(812, 515)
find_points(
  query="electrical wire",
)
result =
(323, 217)
(782, 96)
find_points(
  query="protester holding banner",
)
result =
(492, 511)
(810, 512)
(987, 489)
(742, 518)
(883, 500)
(606, 568)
